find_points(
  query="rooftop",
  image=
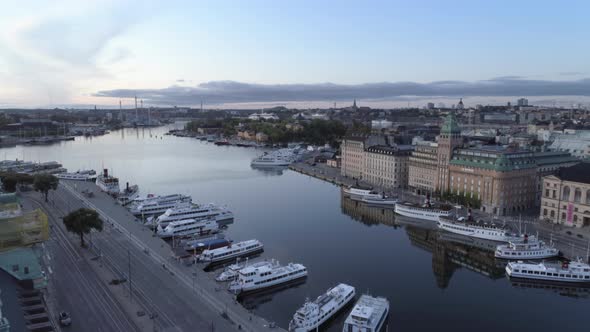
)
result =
(577, 173)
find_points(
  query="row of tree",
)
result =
(464, 199)
(41, 182)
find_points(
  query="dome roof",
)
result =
(450, 126)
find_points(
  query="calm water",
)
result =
(431, 281)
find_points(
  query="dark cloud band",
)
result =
(220, 92)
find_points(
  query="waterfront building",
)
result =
(387, 166)
(353, 148)
(422, 167)
(566, 196)
(502, 179)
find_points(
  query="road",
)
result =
(75, 287)
(184, 298)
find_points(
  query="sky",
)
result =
(74, 53)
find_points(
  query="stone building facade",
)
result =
(566, 196)
(504, 180)
(387, 166)
(422, 168)
(353, 149)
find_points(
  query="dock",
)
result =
(125, 242)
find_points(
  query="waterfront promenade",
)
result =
(174, 292)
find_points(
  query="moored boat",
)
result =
(526, 249)
(478, 229)
(231, 251)
(251, 279)
(157, 205)
(368, 314)
(108, 183)
(128, 194)
(80, 175)
(575, 271)
(188, 227)
(426, 211)
(314, 313)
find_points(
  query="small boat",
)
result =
(426, 211)
(385, 201)
(358, 193)
(199, 245)
(80, 175)
(314, 313)
(230, 273)
(527, 249)
(251, 279)
(108, 183)
(369, 314)
(571, 272)
(231, 251)
(128, 194)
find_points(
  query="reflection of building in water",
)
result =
(368, 215)
(447, 256)
(559, 288)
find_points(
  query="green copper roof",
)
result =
(450, 126)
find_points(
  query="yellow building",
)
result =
(566, 196)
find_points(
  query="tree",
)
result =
(11, 179)
(81, 222)
(45, 182)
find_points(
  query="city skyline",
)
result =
(259, 54)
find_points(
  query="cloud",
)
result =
(572, 73)
(221, 92)
(180, 80)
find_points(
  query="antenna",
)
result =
(136, 117)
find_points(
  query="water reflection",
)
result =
(366, 214)
(270, 170)
(449, 251)
(253, 301)
(567, 290)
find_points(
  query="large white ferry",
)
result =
(188, 227)
(231, 251)
(379, 201)
(251, 279)
(314, 313)
(426, 211)
(526, 249)
(482, 230)
(80, 175)
(194, 211)
(158, 204)
(575, 271)
(369, 314)
(107, 183)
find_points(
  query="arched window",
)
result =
(587, 197)
(575, 217)
(563, 216)
(566, 194)
(544, 212)
(577, 195)
(552, 214)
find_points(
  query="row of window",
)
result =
(278, 277)
(550, 274)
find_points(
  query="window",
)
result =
(566, 193)
(577, 195)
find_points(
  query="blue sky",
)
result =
(67, 52)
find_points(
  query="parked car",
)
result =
(65, 319)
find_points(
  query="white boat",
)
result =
(231, 251)
(575, 271)
(231, 272)
(426, 211)
(314, 313)
(107, 183)
(194, 211)
(128, 194)
(188, 227)
(527, 249)
(158, 204)
(80, 175)
(251, 279)
(358, 194)
(369, 314)
(268, 160)
(481, 230)
(381, 201)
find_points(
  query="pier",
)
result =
(172, 290)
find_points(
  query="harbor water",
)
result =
(432, 280)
